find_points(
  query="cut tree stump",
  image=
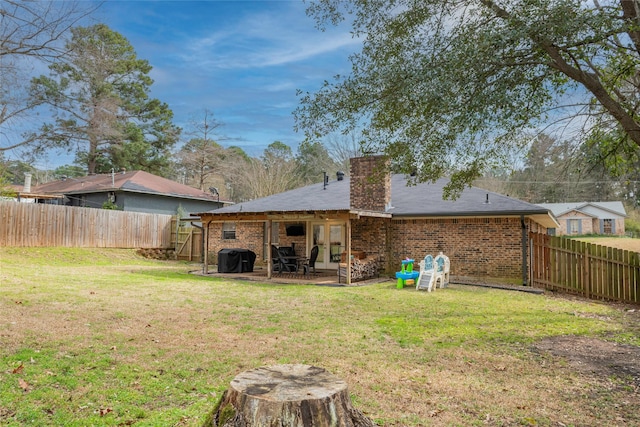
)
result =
(286, 395)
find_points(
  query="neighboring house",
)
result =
(136, 191)
(484, 234)
(588, 217)
(23, 193)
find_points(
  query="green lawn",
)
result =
(103, 337)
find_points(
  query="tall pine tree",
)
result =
(99, 96)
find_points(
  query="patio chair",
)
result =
(311, 262)
(275, 259)
(438, 265)
(427, 277)
(286, 264)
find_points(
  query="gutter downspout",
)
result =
(524, 251)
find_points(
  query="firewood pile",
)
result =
(361, 269)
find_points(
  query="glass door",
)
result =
(318, 240)
(329, 237)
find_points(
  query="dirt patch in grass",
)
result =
(593, 356)
(597, 357)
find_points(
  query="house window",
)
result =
(607, 226)
(229, 230)
(573, 226)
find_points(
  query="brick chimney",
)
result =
(370, 183)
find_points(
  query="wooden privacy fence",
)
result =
(186, 240)
(590, 270)
(33, 224)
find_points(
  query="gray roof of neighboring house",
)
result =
(559, 209)
(132, 181)
(424, 199)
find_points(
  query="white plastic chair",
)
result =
(427, 277)
(442, 266)
(447, 268)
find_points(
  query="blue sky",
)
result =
(242, 60)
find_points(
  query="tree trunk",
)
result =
(286, 395)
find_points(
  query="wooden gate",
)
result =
(593, 271)
(187, 241)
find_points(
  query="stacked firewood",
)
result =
(364, 268)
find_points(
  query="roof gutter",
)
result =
(544, 218)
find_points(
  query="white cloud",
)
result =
(267, 39)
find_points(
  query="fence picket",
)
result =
(586, 269)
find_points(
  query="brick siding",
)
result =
(250, 235)
(479, 248)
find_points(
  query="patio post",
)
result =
(348, 251)
(205, 232)
(268, 249)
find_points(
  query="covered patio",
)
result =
(330, 230)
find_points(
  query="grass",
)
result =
(105, 338)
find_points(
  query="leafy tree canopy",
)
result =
(239, 152)
(70, 171)
(445, 87)
(14, 171)
(313, 159)
(99, 94)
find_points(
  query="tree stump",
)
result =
(286, 395)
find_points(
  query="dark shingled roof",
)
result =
(310, 198)
(133, 181)
(419, 200)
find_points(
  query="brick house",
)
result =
(484, 234)
(588, 218)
